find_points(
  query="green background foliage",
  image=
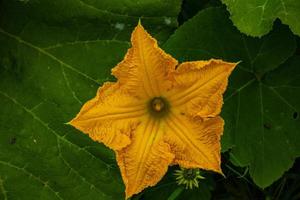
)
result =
(55, 54)
(256, 17)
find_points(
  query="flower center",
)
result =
(190, 174)
(158, 106)
(188, 177)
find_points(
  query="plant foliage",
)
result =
(55, 54)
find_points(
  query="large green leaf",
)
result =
(261, 105)
(256, 17)
(53, 56)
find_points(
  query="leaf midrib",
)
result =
(42, 51)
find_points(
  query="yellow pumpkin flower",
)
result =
(158, 114)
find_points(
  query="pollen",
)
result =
(158, 106)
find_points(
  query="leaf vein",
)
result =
(58, 45)
(75, 171)
(114, 13)
(4, 192)
(35, 117)
(282, 98)
(262, 126)
(42, 51)
(29, 174)
(239, 89)
(69, 86)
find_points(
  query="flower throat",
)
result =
(158, 107)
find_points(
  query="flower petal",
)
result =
(144, 162)
(110, 117)
(146, 68)
(195, 142)
(199, 87)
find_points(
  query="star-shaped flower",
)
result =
(158, 114)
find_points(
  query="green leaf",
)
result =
(53, 57)
(261, 109)
(256, 17)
